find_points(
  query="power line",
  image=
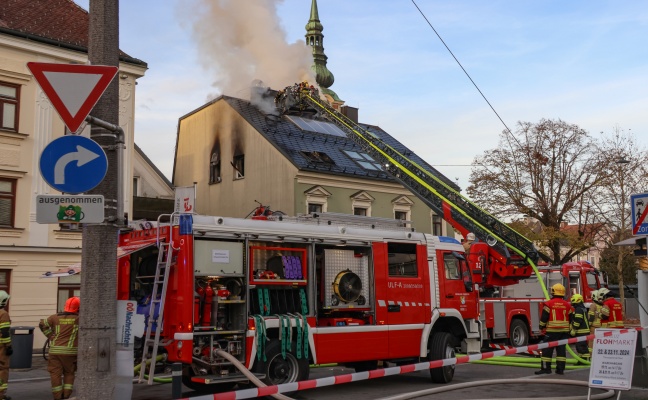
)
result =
(463, 69)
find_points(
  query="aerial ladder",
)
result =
(512, 257)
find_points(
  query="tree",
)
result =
(626, 159)
(544, 171)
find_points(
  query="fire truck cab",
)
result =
(280, 293)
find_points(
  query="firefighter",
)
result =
(470, 238)
(5, 345)
(612, 312)
(579, 324)
(594, 316)
(62, 331)
(555, 323)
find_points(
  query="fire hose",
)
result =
(467, 385)
(249, 374)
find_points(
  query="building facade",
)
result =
(54, 31)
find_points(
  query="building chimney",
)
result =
(350, 112)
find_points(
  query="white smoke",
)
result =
(240, 41)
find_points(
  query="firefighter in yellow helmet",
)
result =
(554, 321)
(62, 331)
(5, 344)
(579, 324)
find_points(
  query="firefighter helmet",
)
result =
(470, 236)
(576, 298)
(4, 298)
(72, 305)
(558, 290)
(603, 293)
(595, 295)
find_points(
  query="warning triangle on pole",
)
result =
(73, 89)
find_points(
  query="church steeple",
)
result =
(315, 39)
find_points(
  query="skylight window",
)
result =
(318, 157)
(316, 126)
(364, 160)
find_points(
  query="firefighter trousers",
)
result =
(4, 370)
(62, 369)
(561, 351)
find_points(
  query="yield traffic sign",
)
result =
(73, 89)
(73, 164)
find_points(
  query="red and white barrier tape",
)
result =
(504, 347)
(379, 373)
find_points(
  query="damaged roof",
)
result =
(321, 152)
(60, 23)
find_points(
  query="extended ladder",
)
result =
(431, 189)
(151, 344)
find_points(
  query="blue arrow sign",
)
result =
(73, 164)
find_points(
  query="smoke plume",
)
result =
(239, 41)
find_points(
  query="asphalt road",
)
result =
(34, 383)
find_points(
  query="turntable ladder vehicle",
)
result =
(516, 255)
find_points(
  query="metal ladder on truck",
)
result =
(445, 201)
(161, 277)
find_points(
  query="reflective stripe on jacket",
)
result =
(555, 315)
(594, 315)
(5, 325)
(62, 331)
(579, 325)
(612, 314)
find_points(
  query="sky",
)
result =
(581, 61)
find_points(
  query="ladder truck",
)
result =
(239, 300)
(512, 313)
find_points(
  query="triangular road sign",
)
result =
(73, 89)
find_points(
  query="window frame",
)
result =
(402, 268)
(12, 195)
(238, 163)
(8, 100)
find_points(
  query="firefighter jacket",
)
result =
(594, 315)
(62, 331)
(5, 325)
(579, 325)
(555, 315)
(612, 314)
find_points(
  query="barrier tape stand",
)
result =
(379, 373)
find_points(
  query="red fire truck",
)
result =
(512, 313)
(281, 293)
(276, 293)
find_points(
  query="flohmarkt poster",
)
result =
(613, 358)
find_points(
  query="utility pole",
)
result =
(98, 314)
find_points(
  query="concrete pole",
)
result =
(98, 314)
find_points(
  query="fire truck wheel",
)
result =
(278, 370)
(441, 347)
(519, 335)
(188, 373)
